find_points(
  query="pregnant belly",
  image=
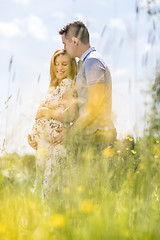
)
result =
(45, 130)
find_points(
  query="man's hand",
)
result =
(42, 112)
(32, 143)
(59, 138)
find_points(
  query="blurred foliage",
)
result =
(112, 195)
(16, 170)
(155, 108)
(152, 7)
(153, 114)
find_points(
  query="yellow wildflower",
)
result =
(66, 190)
(127, 149)
(58, 220)
(32, 205)
(108, 152)
(118, 151)
(87, 206)
(134, 152)
(142, 166)
(131, 139)
(80, 189)
(157, 141)
(2, 228)
(156, 156)
(18, 175)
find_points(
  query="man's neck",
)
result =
(83, 48)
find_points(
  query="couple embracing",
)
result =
(78, 103)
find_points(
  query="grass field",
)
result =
(115, 196)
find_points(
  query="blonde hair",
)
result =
(73, 67)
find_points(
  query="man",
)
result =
(94, 88)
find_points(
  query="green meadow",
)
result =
(115, 195)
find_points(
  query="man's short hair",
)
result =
(76, 29)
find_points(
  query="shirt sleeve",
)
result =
(94, 71)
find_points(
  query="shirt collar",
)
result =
(91, 49)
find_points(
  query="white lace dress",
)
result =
(48, 158)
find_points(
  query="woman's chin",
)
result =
(60, 77)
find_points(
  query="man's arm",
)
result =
(93, 107)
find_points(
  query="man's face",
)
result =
(69, 46)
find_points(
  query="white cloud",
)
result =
(58, 15)
(36, 27)
(117, 23)
(22, 26)
(86, 19)
(21, 1)
(80, 17)
(10, 29)
(95, 35)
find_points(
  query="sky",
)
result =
(129, 43)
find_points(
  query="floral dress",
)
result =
(48, 158)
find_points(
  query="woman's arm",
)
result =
(66, 111)
(53, 104)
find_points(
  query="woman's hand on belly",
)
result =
(59, 138)
(32, 143)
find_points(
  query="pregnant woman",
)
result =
(56, 112)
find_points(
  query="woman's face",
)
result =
(62, 67)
